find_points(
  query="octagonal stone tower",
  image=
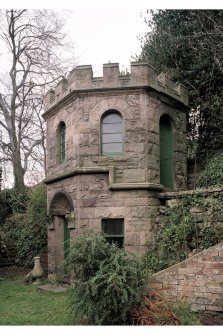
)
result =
(113, 143)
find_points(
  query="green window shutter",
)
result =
(114, 231)
(112, 134)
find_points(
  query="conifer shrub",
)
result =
(107, 282)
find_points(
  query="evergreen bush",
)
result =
(107, 282)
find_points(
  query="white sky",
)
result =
(102, 36)
(105, 31)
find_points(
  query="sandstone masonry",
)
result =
(88, 186)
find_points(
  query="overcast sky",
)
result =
(102, 36)
(106, 30)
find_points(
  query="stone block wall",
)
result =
(123, 186)
(82, 107)
(142, 74)
(207, 214)
(193, 172)
(198, 280)
(93, 201)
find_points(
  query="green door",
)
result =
(66, 244)
(166, 152)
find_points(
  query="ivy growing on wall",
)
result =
(212, 174)
(195, 222)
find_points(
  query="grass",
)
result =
(184, 313)
(22, 304)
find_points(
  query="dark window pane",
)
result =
(111, 147)
(115, 138)
(111, 128)
(62, 128)
(114, 230)
(112, 226)
(112, 118)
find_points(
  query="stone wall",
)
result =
(141, 108)
(123, 186)
(93, 201)
(142, 75)
(199, 280)
(193, 172)
(207, 213)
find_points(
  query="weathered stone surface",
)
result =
(81, 105)
(204, 290)
(135, 175)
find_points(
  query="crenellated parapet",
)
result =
(142, 75)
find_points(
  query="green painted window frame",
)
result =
(116, 237)
(62, 142)
(111, 132)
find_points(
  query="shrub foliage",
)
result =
(181, 231)
(212, 174)
(107, 282)
(24, 223)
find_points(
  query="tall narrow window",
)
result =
(112, 134)
(166, 152)
(62, 142)
(114, 231)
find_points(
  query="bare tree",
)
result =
(32, 43)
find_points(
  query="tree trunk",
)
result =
(18, 172)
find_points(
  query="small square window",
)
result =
(114, 231)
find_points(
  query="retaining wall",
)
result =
(198, 279)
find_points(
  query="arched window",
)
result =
(166, 152)
(61, 142)
(111, 133)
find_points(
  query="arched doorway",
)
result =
(166, 152)
(60, 208)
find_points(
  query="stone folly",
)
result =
(113, 143)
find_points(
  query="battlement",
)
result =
(142, 75)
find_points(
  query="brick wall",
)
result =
(198, 279)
